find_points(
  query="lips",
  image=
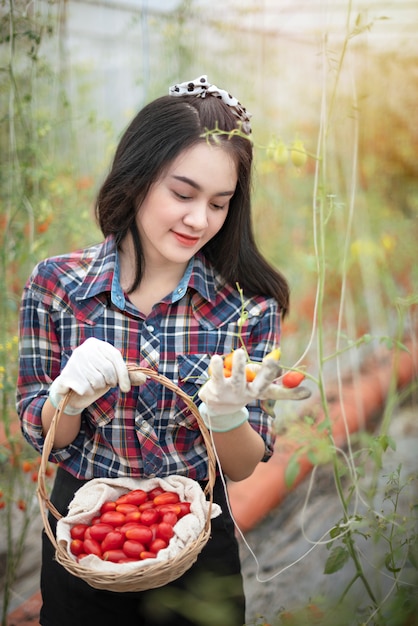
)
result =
(185, 240)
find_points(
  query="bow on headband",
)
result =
(201, 87)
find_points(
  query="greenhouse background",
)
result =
(336, 78)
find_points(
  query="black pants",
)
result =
(210, 593)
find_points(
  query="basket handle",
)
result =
(194, 410)
(42, 492)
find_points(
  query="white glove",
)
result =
(93, 368)
(224, 400)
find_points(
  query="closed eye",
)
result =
(181, 196)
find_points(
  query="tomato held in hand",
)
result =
(292, 379)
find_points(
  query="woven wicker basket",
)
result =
(150, 575)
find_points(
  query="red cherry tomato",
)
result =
(150, 516)
(122, 499)
(154, 528)
(133, 516)
(155, 492)
(126, 508)
(168, 497)
(108, 506)
(115, 556)
(78, 531)
(142, 534)
(133, 549)
(100, 531)
(125, 527)
(92, 547)
(184, 508)
(165, 531)
(146, 505)
(114, 518)
(147, 555)
(113, 541)
(87, 534)
(77, 547)
(292, 379)
(170, 518)
(157, 545)
(137, 496)
(169, 508)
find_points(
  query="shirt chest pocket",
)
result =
(192, 374)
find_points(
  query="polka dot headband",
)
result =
(200, 88)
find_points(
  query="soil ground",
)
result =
(289, 574)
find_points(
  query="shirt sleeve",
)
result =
(39, 365)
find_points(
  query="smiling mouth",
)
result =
(185, 240)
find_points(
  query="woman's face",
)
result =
(187, 205)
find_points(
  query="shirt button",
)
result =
(151, 475)
(150, 328)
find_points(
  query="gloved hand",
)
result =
(224, 399)
(93, 368)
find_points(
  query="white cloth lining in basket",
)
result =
(91, 496)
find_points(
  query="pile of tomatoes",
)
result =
(134, 527)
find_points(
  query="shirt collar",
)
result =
(99, 274)
(103, 276)
(118, 297)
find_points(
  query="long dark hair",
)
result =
(153, 140)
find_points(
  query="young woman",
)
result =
(162, 291)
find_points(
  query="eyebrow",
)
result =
(196, 186)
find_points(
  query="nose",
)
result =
(197, 215)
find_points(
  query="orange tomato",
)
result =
(250, 374)
(228, 361)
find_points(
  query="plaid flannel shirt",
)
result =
(148, 431)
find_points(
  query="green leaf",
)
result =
(335, 532)
(389, 564)
(385, 441)
(336, 560)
